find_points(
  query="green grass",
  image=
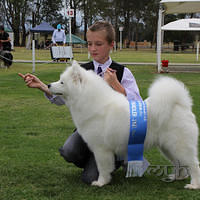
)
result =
(32, 130)
(126, 55)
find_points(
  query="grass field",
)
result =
(32, 130)
(126, 55)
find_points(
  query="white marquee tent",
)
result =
(174, 7)
(191, 24)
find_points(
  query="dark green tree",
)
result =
(20, 13)
(15, 12)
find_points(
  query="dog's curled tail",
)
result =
(166, 92)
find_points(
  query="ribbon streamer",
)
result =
(137, 165)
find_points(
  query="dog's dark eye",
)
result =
(62, 82)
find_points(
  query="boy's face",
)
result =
(98, 46)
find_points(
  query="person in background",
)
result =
(59, 36)
(5, 44)
(100, 38)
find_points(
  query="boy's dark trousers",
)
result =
(75, 150)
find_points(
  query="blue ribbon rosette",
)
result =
(137, 164)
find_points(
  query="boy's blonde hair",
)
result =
(104, 26)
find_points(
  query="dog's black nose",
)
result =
(49, 85)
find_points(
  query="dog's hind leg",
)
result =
(195, 176)
(185, 158)
(179, 172)
(189, 159)
(105, 163)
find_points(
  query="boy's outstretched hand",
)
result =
(31, 81)
(34, 82)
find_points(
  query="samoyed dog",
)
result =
(102, 118)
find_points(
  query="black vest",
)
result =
(119, 68)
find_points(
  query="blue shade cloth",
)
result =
(44, 27)
(138, 126)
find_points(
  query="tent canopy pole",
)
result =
(159, 38)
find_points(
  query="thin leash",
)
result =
(6, 58)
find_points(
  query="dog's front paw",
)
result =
(192, 187)
(97, 183)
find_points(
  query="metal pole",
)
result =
(70, 31)
(33, 55)
(70, 15)
(120, 40)
(159, 40)
(120, 34)
(33, 41)
(65, 10)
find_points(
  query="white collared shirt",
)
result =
(59, 36)
(103, 66)
(128, 81)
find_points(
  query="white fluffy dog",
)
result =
(101, 116)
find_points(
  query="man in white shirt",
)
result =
(59, 36)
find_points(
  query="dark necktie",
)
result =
(99, 71)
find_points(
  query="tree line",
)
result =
(137, 17)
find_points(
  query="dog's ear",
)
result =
(75, 63)
(77, 72)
